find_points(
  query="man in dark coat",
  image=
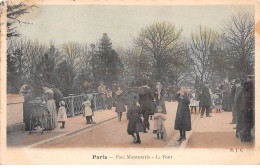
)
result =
(205, 100)
(248, 109)
(145, 100)
(233, 92)
(239, 97)
(58, 96)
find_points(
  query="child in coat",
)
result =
(88, 113)
(218, 104)
(159, 127)
(62, 116)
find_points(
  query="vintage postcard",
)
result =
(130, 82)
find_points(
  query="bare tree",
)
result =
(157, 40)
(202, 44)
(240, 39)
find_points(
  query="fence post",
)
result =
(95, 101)
(72, 106)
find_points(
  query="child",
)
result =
(194, 103)
(88, 111)
(218, 103)
(159, 128)
(135, 124)
(62, 116)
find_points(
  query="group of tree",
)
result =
(159, 53)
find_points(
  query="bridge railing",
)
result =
(73, 103)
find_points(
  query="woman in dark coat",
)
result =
(120, 105)
(183, 118)
(135, 124)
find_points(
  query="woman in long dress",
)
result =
(48, 98)
(120, 105)
(183, 117)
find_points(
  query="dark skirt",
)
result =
(120, 106)
(135, 124)
(183, 118)
(226, 102)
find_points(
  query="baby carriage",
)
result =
(39, 117)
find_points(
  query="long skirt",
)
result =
(226, 103)
(120, 106)
(51, 106)
(135, 124)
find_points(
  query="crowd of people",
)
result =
(143, 101)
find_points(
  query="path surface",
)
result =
(213, 132)
(113, 134)
(216, 132)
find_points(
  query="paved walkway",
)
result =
(72, 125)
(113, 134)
(215, 132)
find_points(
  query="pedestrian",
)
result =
(183, 117)
(145, 100)
(27, 92)
(248, 110)
(226, 104)
(239, 97)
(194, 103)
(48, 99)
(88, 113)
(205, 100)
(213, 97)
(109, 98)
(103, 91)
(62, 115)
(135, 124)
(159, 127)
(120, 105)
(58, 96)
(159, 93)
(232, 98)
(218, 104)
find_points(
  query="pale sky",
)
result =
(86, 24)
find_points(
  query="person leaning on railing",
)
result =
(102, 89)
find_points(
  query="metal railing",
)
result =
(73, 103)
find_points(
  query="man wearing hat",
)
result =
(205, 100)
(238, 99)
